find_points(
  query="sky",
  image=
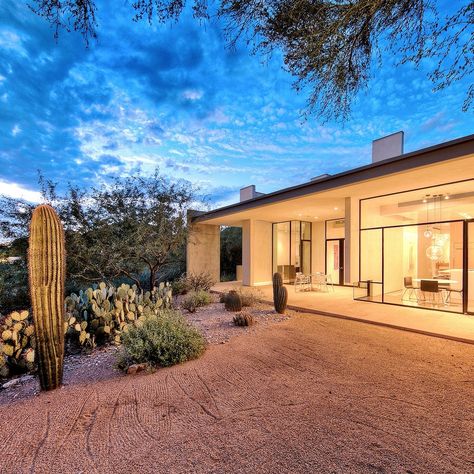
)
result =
(176, 97)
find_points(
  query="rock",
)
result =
(135, 368)
(11, 383)
(26, 378)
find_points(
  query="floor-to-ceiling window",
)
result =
(291, 249)
(415, 247)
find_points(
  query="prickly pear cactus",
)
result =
(47, 263)
(102, 314)
(17, 344)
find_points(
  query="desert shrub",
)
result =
(244, 319)
(196, 299)
(192, 282)
(180, 286)
(250, 296)
(200, 281)
(162, 340)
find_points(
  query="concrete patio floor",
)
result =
(339, 303)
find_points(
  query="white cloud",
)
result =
(17, 191)
(193, 94)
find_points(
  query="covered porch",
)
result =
(340, 303)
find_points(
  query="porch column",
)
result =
(351, 245)
(256, 252)
(203, 250)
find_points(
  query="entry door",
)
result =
(335, 260)
(470, 267)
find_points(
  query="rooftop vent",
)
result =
(249, 192)
(320, 177)
(387, 147)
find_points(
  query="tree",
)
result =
(133, 228)
(328, 45)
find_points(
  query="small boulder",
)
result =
(11, 383)
(135, 368)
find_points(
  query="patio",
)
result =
(339, 303)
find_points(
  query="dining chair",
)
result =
(409, 288)
(432, 288)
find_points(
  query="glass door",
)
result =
(470, 267)
(335, 260)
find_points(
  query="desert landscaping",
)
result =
(296, 394)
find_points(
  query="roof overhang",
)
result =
(443, 153)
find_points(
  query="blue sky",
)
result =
(175, 97)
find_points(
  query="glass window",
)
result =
(412, 255)
(281, 245)
(295, 245)
(306, 230)
(292, 249)
(371, 255)
(447, 202)
(335, 229)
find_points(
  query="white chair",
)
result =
(323, 281)
(302, 282)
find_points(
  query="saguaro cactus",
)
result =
(46, 276)
(280, 294)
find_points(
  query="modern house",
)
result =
(402, 224)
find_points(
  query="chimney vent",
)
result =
(320, 177)
(387, 147)
(249, 192)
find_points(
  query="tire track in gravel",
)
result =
(192, 387)
(127, 433)
(125, 384)
(41, 443)
(152, 394)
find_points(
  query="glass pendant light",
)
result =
(428, 234)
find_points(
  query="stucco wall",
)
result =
(318, 248)
(256, 252)
(203, 250)
(262, 253)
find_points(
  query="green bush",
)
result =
(13, 286)
(180, 286)
(196, 299)
(162, 340)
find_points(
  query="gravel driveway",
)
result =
(310, 394)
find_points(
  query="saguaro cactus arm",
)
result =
(46, 262)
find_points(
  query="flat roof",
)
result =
(434, 154)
